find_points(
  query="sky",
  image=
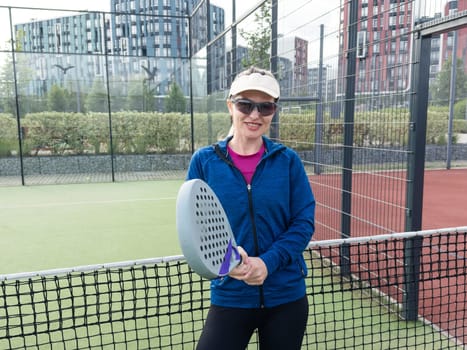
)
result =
(102, 5)
(288, 10)
(22, 16)
(291, 12)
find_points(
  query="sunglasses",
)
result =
(246, 106)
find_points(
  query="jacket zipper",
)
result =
(250, 209)
(255, 238)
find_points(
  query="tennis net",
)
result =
(398, 291)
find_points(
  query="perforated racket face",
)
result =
(204, 231)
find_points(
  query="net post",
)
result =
(412, 256)
(345, 259)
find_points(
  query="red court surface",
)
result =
(444, 205)
(378, 203)
(445, 199)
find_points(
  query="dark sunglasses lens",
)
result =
(266, 108)
(246, 107)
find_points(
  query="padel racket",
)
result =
(204, 232)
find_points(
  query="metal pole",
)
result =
(18, 116)
(319, 107)
(274, 132)
(192, 114)
(109, 106)
(415, 173)
(349, 115)
(452, 98)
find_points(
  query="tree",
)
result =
(134, 100)
(148, 96)
(441, 86)
(24, 73)
(140, 97)
(175, 101)
(57, 99)
(96, 100)
(7, 87)
(259, 41)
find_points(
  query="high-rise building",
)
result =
(383, 46)
(81, 33)
(295, 50)
(54, 45)
(139, 40)
(451, 7)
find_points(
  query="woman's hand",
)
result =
(252, 270)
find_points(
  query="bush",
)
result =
(153, 132)
(8, 135)
(460, 111)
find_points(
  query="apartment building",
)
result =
(383, 46)
(448, 39)
(139, 40)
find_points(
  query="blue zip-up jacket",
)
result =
(273, 218)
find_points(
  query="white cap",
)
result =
(255, 79)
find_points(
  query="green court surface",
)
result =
(58, 226)
(62, 226)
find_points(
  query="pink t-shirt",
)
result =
(246, 164)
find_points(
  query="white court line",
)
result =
(58, 204)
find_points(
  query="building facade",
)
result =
(453, 6)
(145, 42)
(383, 50)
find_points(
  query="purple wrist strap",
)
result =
(225, 267)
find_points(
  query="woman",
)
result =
(267, 197)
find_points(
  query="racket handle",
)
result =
(232, 259)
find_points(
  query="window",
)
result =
(376, 48)
(58, 36)
(361, 44)
(364, 25)
(124, 46)
(403, 46)
(364, 12)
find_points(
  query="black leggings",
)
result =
(281, 327)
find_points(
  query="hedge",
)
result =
(146, 132)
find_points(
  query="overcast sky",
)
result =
(288, 11)
(101, 5)
(292, 18)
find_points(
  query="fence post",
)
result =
(415, 173)
(274, 129)
(319, 107)
(412, 259)
(349, 116)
